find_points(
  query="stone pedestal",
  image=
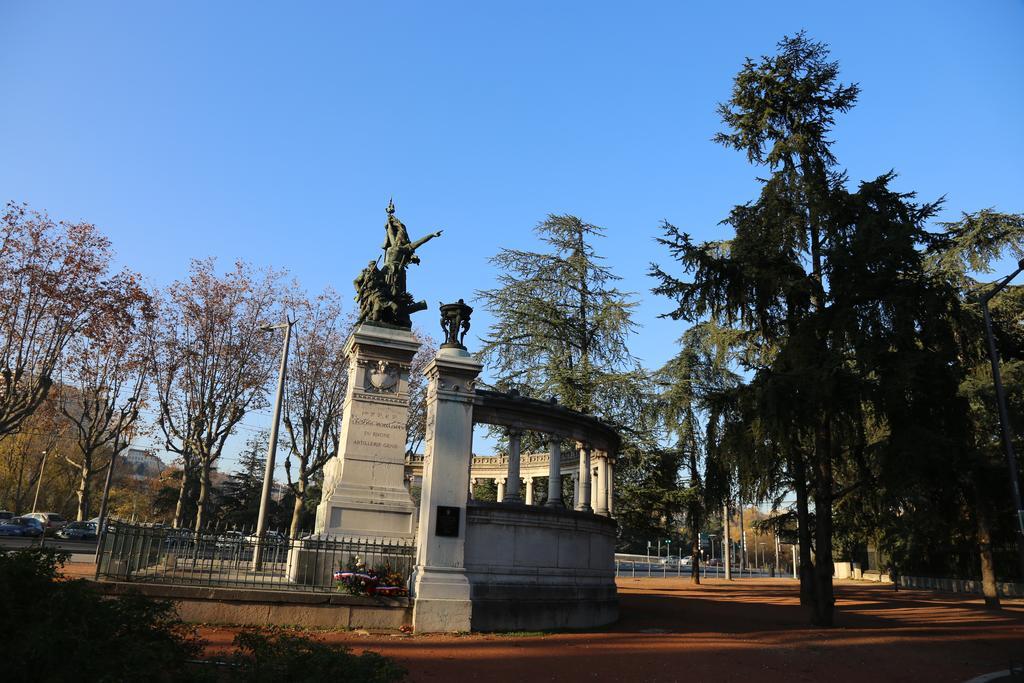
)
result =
(440, 585)
(364, 493)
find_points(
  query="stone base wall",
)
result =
(202, 605)
(536, 568)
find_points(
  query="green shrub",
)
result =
(65, 630)
(61, 630)
(277, 655)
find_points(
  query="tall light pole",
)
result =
(268, 474)
(42, 468)
(1004, 419)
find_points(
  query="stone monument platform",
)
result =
(364, 491)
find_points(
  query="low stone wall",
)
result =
(1006, 590)
(537, 568)
(202, 605)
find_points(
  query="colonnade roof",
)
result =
(547, 417)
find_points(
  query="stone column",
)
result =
(554, 472)
(501, 489)
(440, 584)
(611, 485)
(583, 504)
(593, 484)
(602, 484)
(472, 485)
(512, 494)
(529, 490)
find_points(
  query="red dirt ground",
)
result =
(751, 630)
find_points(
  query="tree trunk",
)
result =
(695, 558)
(299, 508)
(204, 494)
(179, 508)
(823, 569)
(989, 587)
(83, 491)
(18, 494)
(803, 519)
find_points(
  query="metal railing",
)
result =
(634, 566)
(144, 554)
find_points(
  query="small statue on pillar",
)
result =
(455, 324)
(381, 292)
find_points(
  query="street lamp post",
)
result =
(268, 474)
(42, 468)
(1004, 419)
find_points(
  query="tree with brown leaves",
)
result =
(102, 387)
(212, 363)
(55, 283)
(315, 389)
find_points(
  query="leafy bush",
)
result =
(276, 655)
(61, 630)
(65, 630)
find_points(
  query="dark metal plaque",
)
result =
(447, 521)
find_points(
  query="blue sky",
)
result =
(277, 132)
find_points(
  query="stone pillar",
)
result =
(611, 486)
(364, 492)
(501, 489)
(593, 485)
(554, 472)
(529, 490)
(440, 585)
(602, 484)
(472, 485)
(584, 498)
(512, 494)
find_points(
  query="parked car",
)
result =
(269, 538)
(5, 515)
(686, 561)
(178, 539)
(10, 529)
(51, 521)
(78, 531)
(111, 526)
(231, 539)
(29, 526)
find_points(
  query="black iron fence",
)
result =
(231, 559)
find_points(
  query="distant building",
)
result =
(139, 464)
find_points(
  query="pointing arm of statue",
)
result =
(423, 240)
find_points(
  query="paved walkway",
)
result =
(752, 630)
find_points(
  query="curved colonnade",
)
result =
(516, 474)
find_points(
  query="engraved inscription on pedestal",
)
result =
(364, 485)
(377, 428)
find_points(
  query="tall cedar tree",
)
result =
(843, 330)
(780, 114)
(692, 416)
(561, 326)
